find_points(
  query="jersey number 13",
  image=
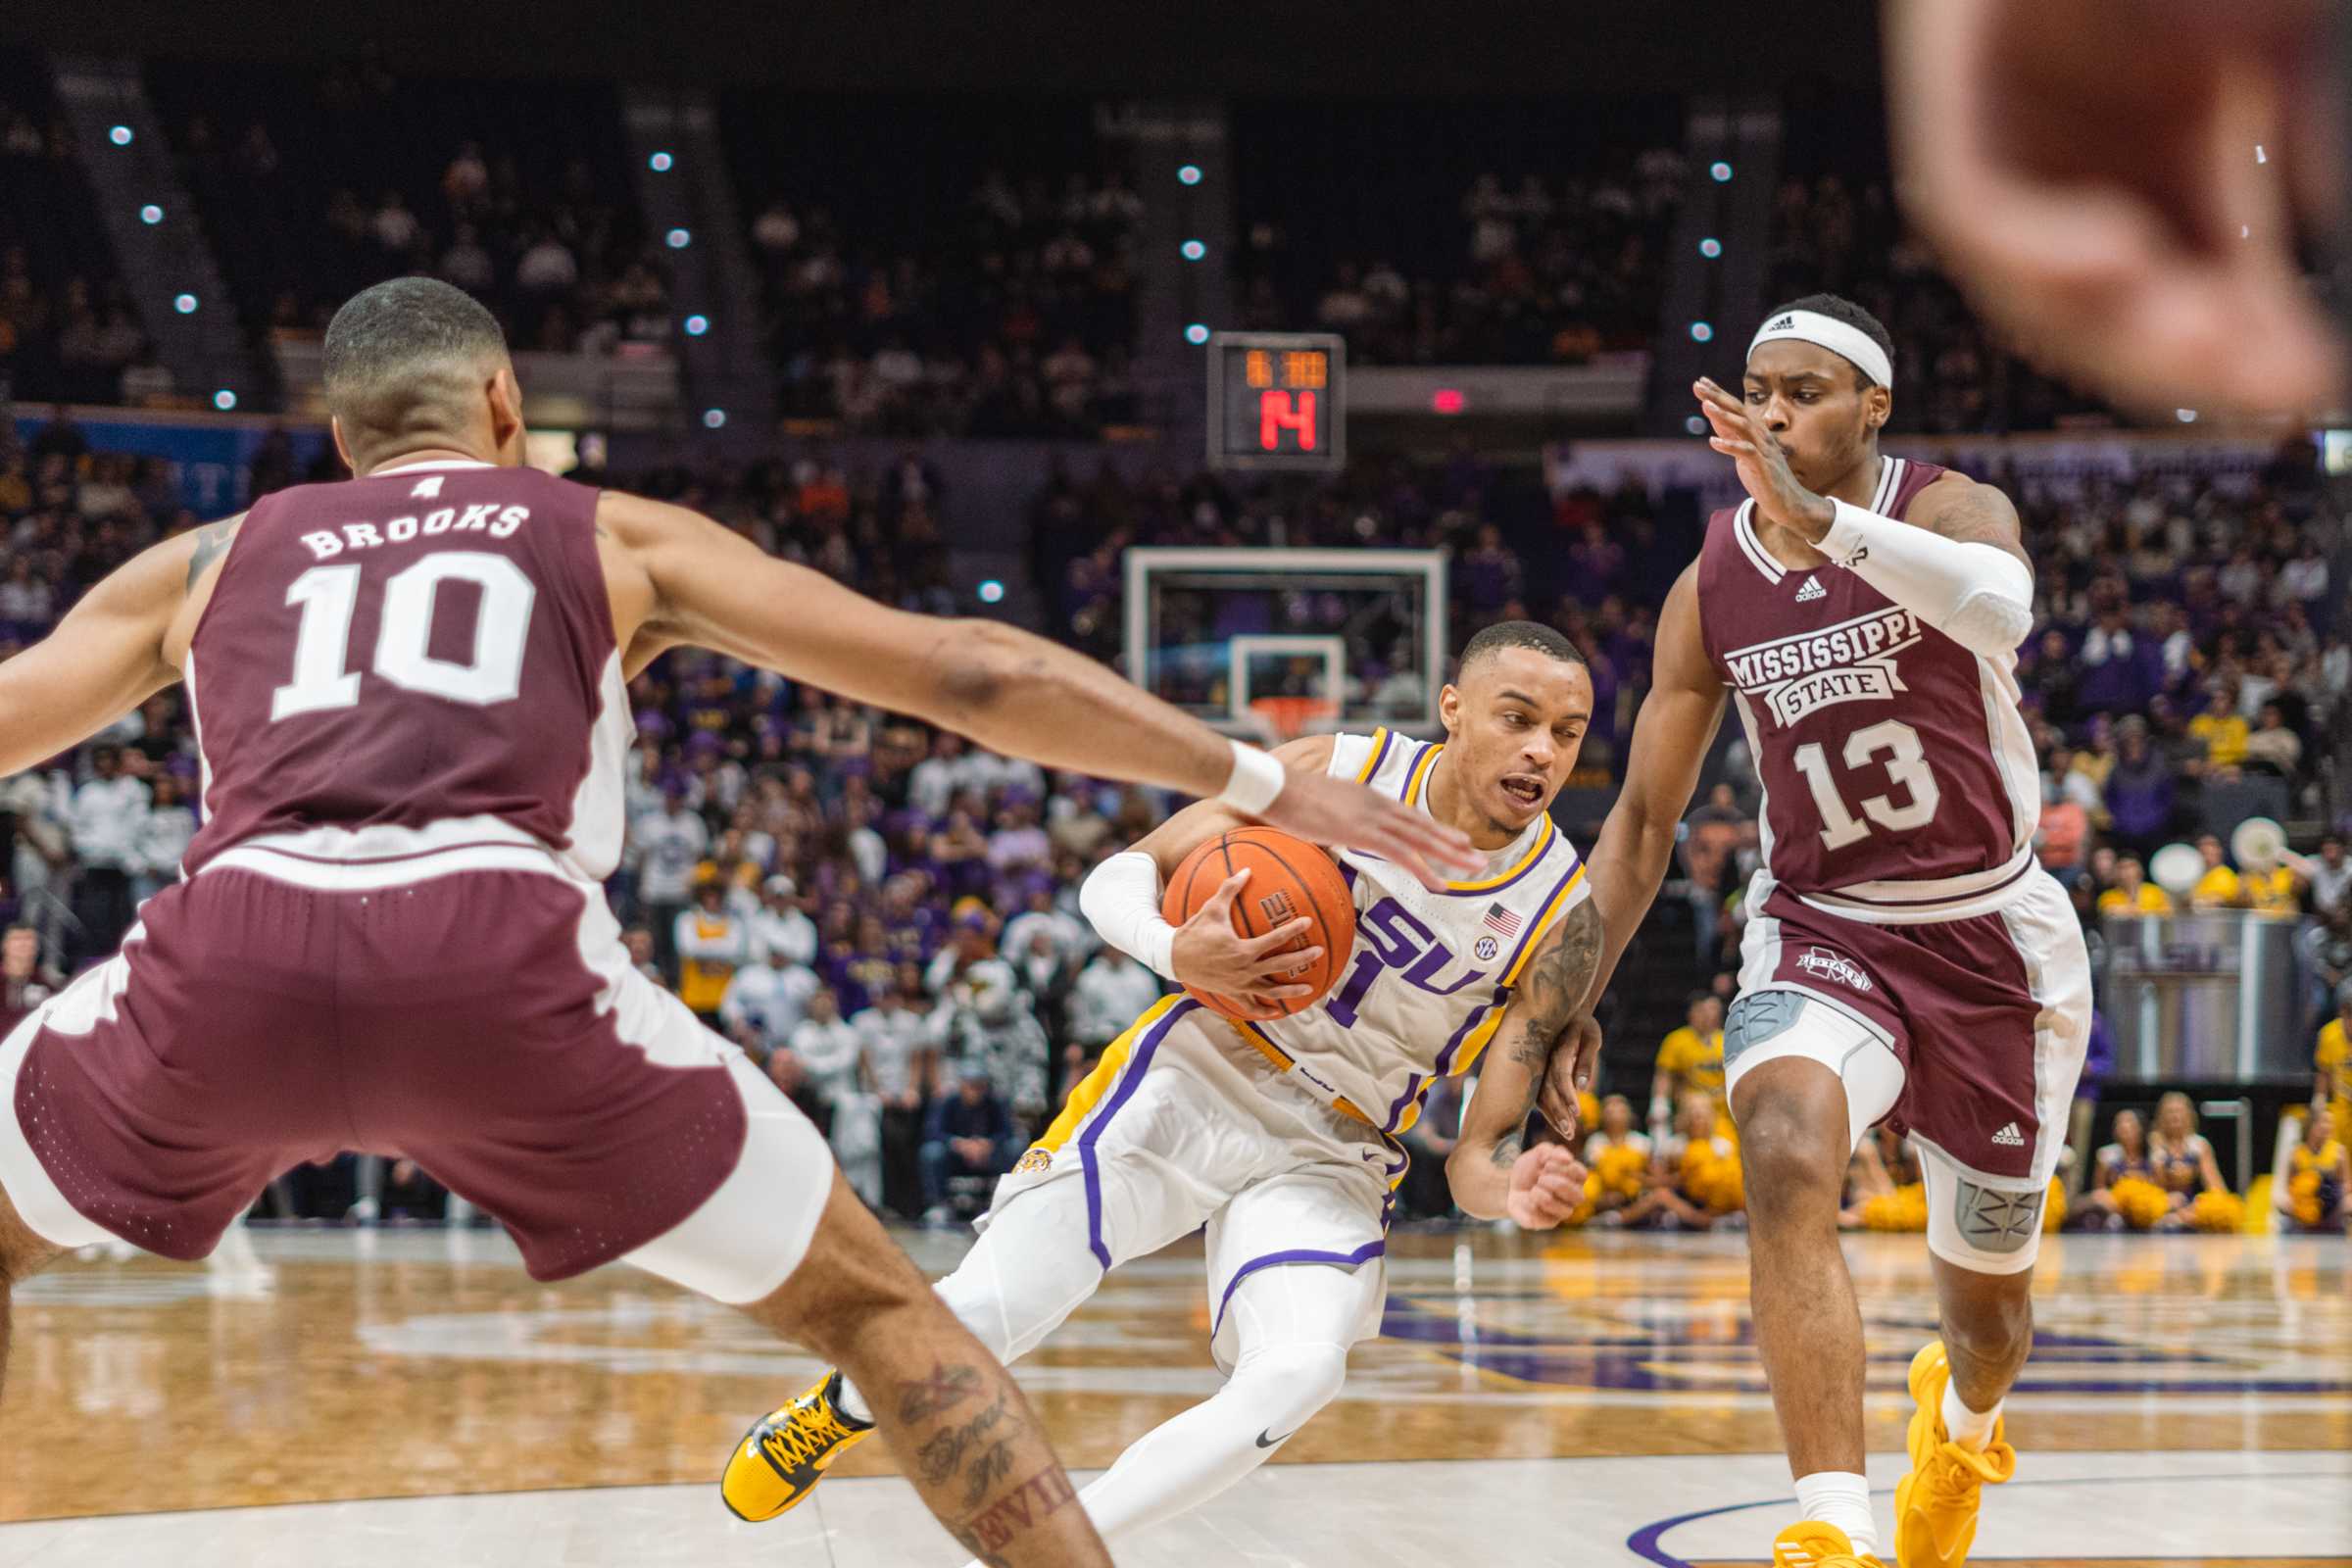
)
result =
(1906, 766)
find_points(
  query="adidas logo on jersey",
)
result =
(2010, 1138)
(1811, 591)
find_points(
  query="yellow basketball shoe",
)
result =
(1814, 1544)
(782, 1458)
(1936, 1505)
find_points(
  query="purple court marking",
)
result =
(1643, 1543)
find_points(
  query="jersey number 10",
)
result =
(329, 597)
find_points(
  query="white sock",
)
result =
(852, 1403)
(1968, 1427)
(1840, 1497)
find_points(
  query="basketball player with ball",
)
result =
(1322, 998)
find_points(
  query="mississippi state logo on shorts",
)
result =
(1035, 1161)
(1826, 964)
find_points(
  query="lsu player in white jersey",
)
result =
(1280, 1134)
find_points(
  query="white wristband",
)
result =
(1121, 899)
(1255, 780)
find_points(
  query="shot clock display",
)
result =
(1276, 400)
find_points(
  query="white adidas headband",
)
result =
(1851, 342)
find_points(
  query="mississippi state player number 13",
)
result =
(1907, 808)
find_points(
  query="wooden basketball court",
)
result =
(412, 1398)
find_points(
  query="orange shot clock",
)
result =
(1277, 400)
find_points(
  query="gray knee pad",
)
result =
(1766, 1025)
(1984, 1225)
(1756, 1017)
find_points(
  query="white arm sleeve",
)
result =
(1120, 898)
(1978, 596)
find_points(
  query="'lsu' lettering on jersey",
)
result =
(1431, 973)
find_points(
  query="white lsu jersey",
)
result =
(1430, 974)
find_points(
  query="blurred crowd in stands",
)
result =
(1517, 233)
(1548, 271)
(312, 186)
(885, 918)
(1013, 315)
(68, 328)
(986, 286)
(1836, 226)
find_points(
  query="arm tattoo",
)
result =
(1550, 999)
(211, 540)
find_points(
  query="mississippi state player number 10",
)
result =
(328, 597)
(1275, 400)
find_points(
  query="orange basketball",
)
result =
(1288, 877)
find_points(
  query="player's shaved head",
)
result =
(1503, 634)
(407, 364)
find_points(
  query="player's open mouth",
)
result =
(1526, 790)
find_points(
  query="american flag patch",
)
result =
(1501, 921)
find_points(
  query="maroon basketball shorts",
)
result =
(1966, 1035)
(470, 1007)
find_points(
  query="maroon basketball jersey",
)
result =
(429, 644)
(1898, 776)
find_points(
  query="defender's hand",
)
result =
(2100, 198)
(1346, 815)
(1763, 466)
(1548, 1184)
(1574, 1056)
(1208, 955)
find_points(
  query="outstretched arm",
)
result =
(2091, 190)
(105, 658)
(1672, 735)
(696, 582)
(1491, 1172)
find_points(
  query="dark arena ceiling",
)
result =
(1256, 48)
